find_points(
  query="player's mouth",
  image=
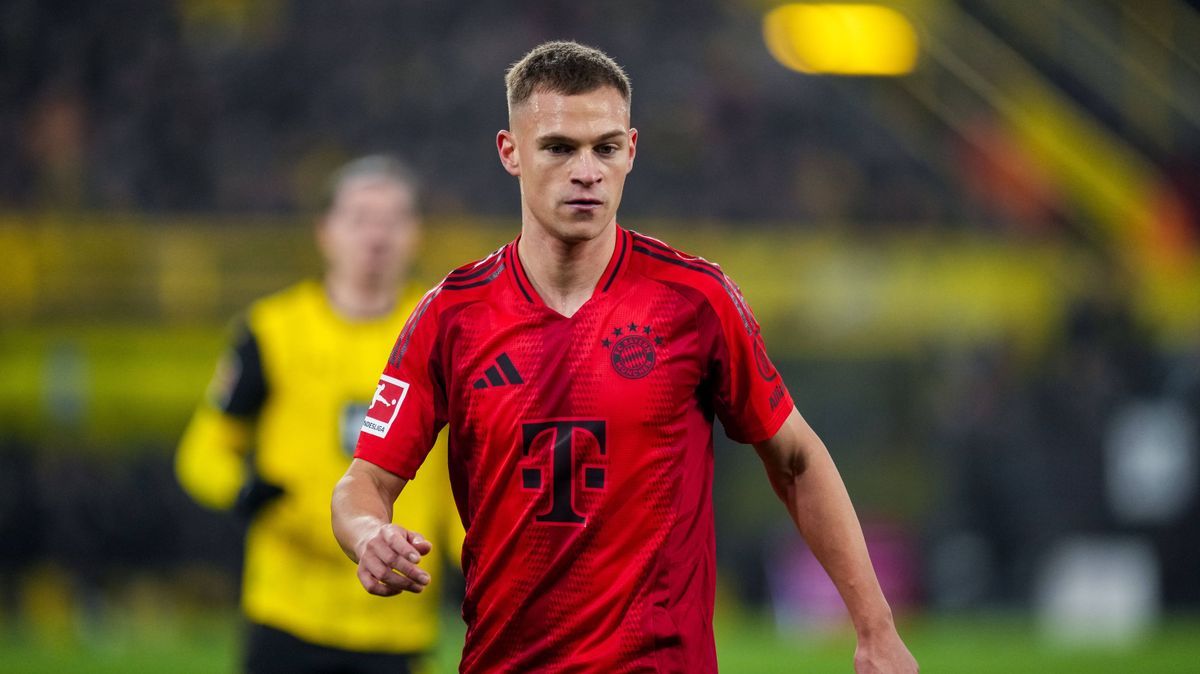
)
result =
(584, 204)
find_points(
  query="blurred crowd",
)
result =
(245, 106)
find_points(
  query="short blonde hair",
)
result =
(566, 68)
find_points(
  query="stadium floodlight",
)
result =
(841, 39)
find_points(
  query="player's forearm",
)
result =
(360, 507)
(820, 506)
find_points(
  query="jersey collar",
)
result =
(617, 262)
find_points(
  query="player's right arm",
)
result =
(387, 554)
(400, 427)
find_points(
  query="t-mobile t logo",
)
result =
(569, 440)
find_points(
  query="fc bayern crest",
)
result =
(631, 349)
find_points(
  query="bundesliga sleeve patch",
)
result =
(389, 395)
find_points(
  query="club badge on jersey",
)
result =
(385, 406)
(632, 349)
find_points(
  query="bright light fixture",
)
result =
(841, 39)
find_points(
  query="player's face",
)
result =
(370, 230)
(571, 154)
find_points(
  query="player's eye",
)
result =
(608, 149)
(558, 148)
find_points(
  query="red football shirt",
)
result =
(581, 452)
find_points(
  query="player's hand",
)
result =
(883, 654)
(388, 561)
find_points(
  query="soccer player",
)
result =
(280, 426)
(579, 369)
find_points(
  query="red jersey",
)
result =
(581, 452)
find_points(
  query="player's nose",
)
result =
(585, 169)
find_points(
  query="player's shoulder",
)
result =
(466, 284)
(660, 261)
(703, 281)
(477, 274)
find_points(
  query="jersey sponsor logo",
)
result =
(569, 441)
(385, 405)
(631, 349)
(500, 373)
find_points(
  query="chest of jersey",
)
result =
(564, 414)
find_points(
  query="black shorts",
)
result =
(271, 651)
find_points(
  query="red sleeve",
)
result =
(408, 408)
(749, 395)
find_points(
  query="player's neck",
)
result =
(360, 299)
(564, 273)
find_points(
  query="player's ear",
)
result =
(633, 135)
(506, 145)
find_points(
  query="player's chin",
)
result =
(582, 226)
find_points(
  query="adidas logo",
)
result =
(493, 377)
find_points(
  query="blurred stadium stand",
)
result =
(969, 274)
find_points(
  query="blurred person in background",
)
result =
(579, 369)
(279, 426)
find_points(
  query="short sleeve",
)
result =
(238, 387)
(748, 393)
(408, 407)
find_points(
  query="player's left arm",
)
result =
(804, 476)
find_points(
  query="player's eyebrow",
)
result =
(555, 138)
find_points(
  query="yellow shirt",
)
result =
(319, 371)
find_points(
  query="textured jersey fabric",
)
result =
(580, 452)
(297, 382)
